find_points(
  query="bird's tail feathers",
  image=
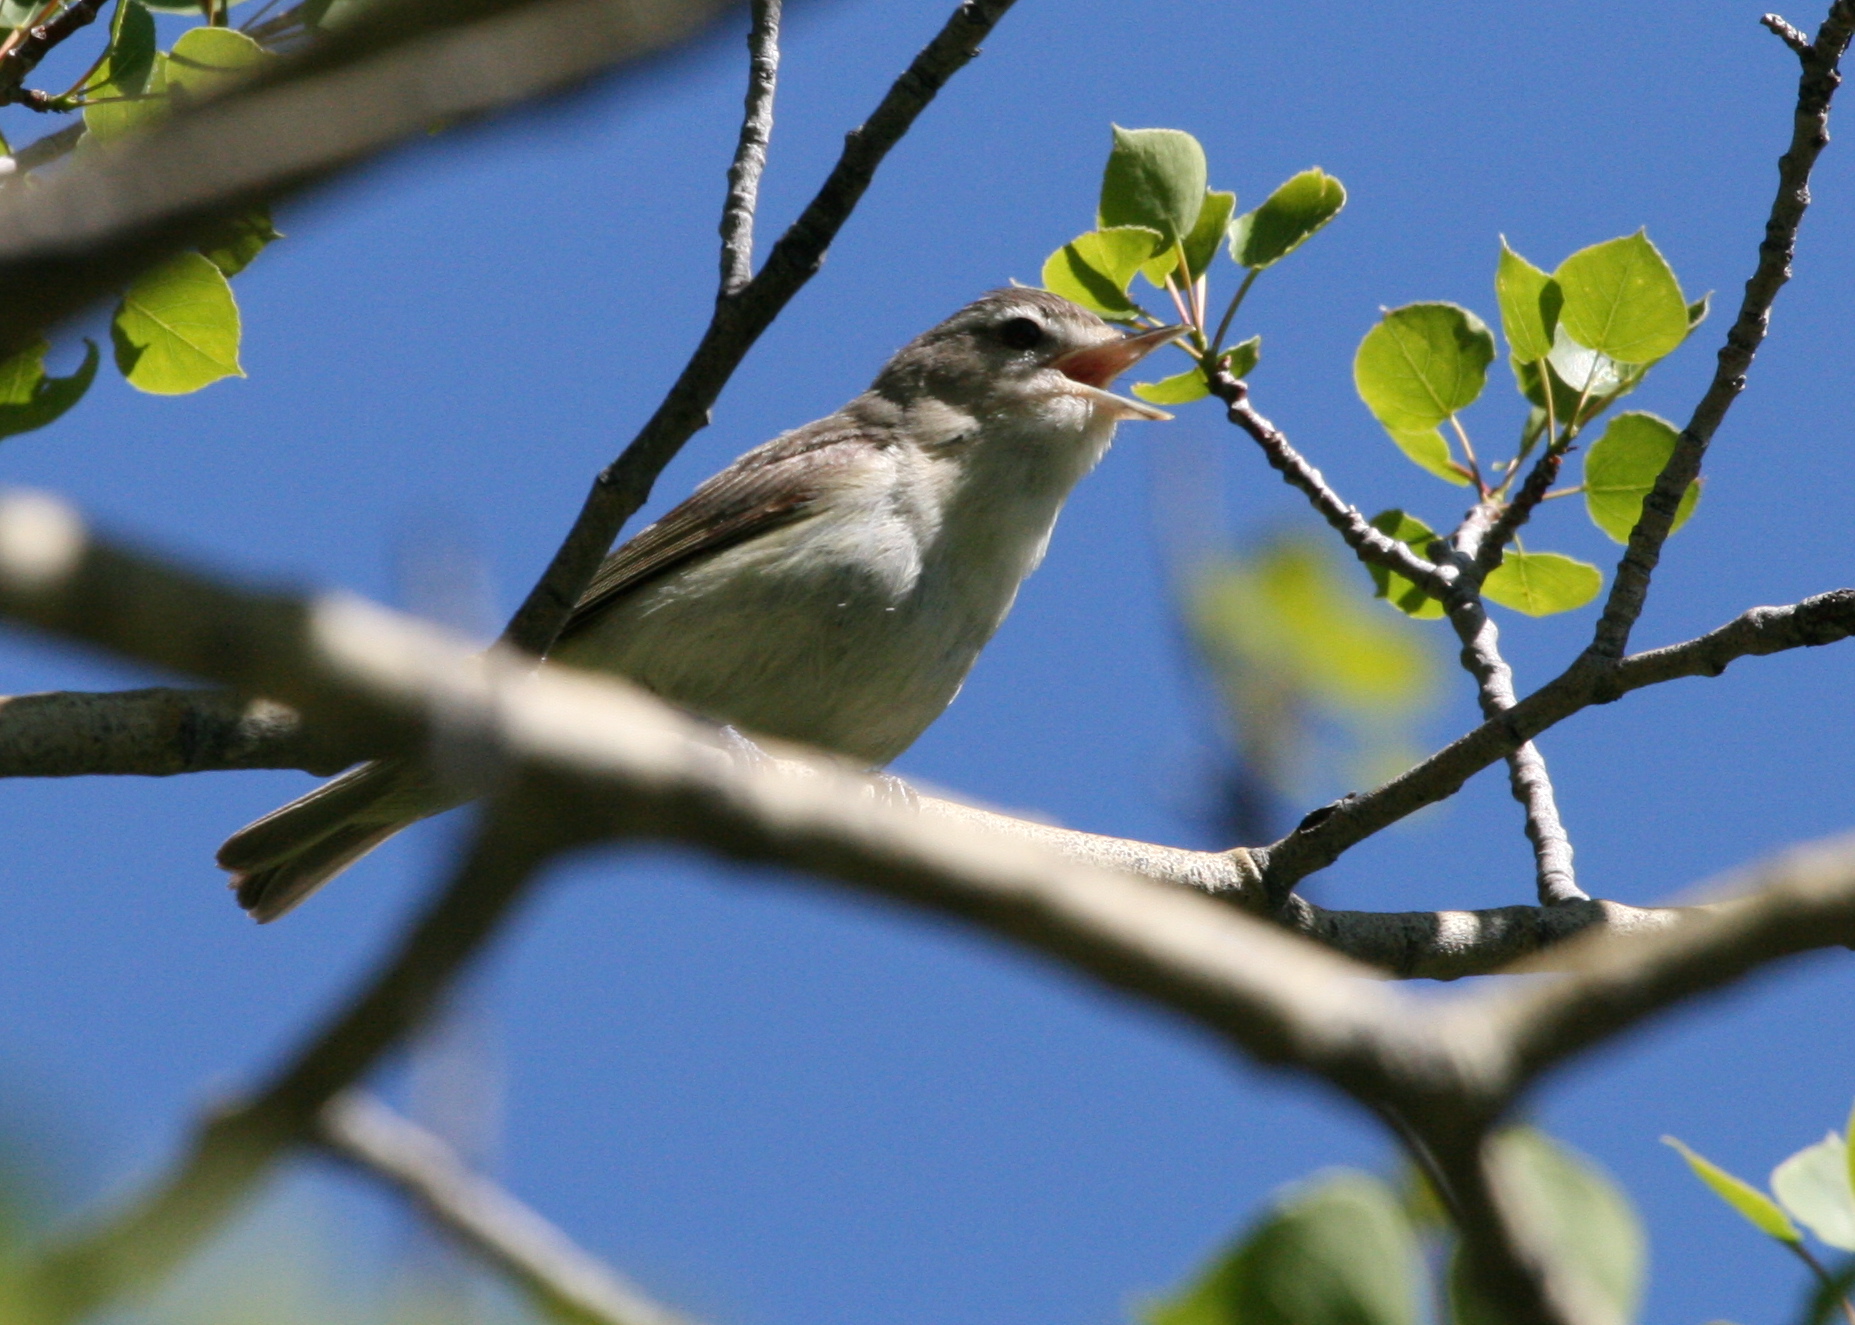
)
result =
(278, 861)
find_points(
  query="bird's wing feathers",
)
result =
(765, 488)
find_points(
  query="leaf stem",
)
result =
(1236, 302)
(1824, 1277)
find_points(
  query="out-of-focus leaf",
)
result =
(1155, 178)
(1622, 299)
(1542, 583)
(1094, 269)
(1569, 1212)
(206, 61)
(1756, 1208)
(1404, 594)
(1287, 219)
(29, 399)
(1287, 611)
(1813, 1186)
(177, 328)
(1422, 363)
(238, 239)
(1335, 1251)
(1621, 468)
(1529, 300)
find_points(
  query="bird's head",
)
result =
(1024, 353)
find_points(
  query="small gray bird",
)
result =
(831, 587)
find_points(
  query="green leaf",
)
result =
(1813, 1185)
(1287, 219)
(1095, 269)
(1403, 593)
(177, 328)
(1542, 583)
(1589, 373)
(1621, 468)
(1622, 299)
(1421, 364)
(207, 61)
(29, 399)
(1180, 389)
(1155, 178)
(236, 240)
(1758, 1209)
(1207, 236)
(1571, 1215)
(1239, 360)
(1698, 310)
(132, 48)
(1337, 1251)
(134, 69)
(1429, 450)
(1529, 300)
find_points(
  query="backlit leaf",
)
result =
(1239, 360)
(1622, 299)
(1404, 594)
(1529, 300)
(236, 240)
(1813, 1186)
(1542, 583)
(1335, 1251)
(1287, 219)
(1155, 178)
(1094, 269)
(206, 61)
(1754, 1206)
(1570, 1214)
(29, 399)
(177, 328)
(1621, 468)
(1421, 364)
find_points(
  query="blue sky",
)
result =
(771, 1102)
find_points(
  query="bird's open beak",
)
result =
(1093, 367)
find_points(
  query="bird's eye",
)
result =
(1020, 333)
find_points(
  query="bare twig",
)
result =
(624, 485)
(737, 217)
(153, 733)
(391, 76)
(236, 1148)
(1629, 590)
(1368, 544)
(1494, 680)
(19, 62)
(565, 1279)
(1789, 35)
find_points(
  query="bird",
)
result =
(831, 587)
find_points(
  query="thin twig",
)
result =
(1789, 35)
(234, 1150)
(1368, 544)
(1494, 680)
(737, 216)
(624, 485)
(565, 1279)
(22, 59)
(1629, 589)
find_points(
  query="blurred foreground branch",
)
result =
(578, 760)
(568, 1281)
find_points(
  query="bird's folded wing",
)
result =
(771, 485)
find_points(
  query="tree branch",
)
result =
(391, 76)
(563, 1278)
(737, 216)
(625, 485)
(19, 62)
(235, 1149)
(154, 733)
(1629, 589)
(1494, 681)
(1370, 545)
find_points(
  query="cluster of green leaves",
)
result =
(1346, 1249)
(1288, 636)
(1578, 340)
(176, 328)
(1814, 1187)
(1158, 219)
